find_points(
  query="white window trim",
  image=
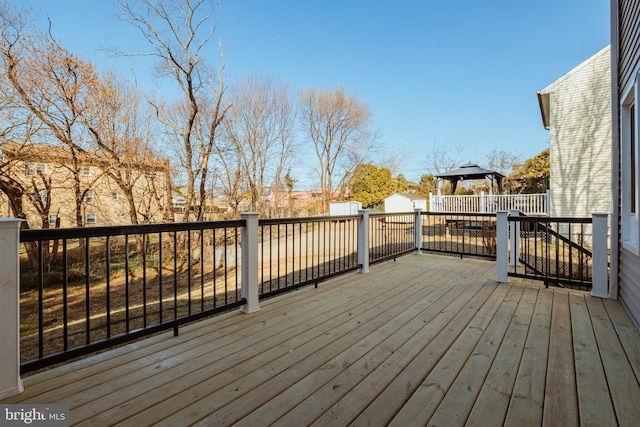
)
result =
(89, 197)
(85, 171)
(32, 168)
(630, 221)
(90, 218)
(40, 196)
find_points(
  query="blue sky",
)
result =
(445, 73)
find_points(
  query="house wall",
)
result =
(580, 139)
(626, 53)
(107, 202)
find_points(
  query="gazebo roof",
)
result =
(469, 171)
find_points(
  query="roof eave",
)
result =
(543, 102)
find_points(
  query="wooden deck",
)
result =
(424, 340)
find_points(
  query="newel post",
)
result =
(10, 381)
(250, 262)
(363, 241)
(600, 273)
(417, 232)
(502, 251)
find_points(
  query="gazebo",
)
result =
(469, 171)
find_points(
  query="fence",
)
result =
(530, 204)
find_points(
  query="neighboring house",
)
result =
(625, 86)
(404, 202)
(45, 175)
(576, 109)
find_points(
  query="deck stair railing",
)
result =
(566, 252)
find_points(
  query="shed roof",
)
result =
(410, 196)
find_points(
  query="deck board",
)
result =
(427, 339)
(493, 402)
(461, 396)
(560, 399)
(426, 399)
(595, 404)
(620, 375)
(322, 388)
(527, 399)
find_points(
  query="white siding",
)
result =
(580, 139)
(626, 42)
(404, 203)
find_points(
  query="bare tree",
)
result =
(18, 123)
(260, 127)
(393, 160)
(337, 125)
(49, 83)
(178, 32)
(121, 139)
(502, 161)
(444, 158)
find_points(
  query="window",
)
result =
(150, 175)
(52, 219)
(39, 197)
(115, 195)
(121, 215)
(89, 197)
(629, 150)
(34, 169)
(90, 218)
(85, 171)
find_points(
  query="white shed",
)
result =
(404, 202)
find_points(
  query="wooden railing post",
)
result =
(417, 232)
(502, 236)
(250, 263)
(363, 241)
(10, 381)
(600, 261)
(514, 238)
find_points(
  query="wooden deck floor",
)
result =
(424, 340)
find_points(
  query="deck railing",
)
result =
(566, 252)
(85, 289)
(460, 234)
(301, 251)
(557, 251)
(530, 204)
(391, 235)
